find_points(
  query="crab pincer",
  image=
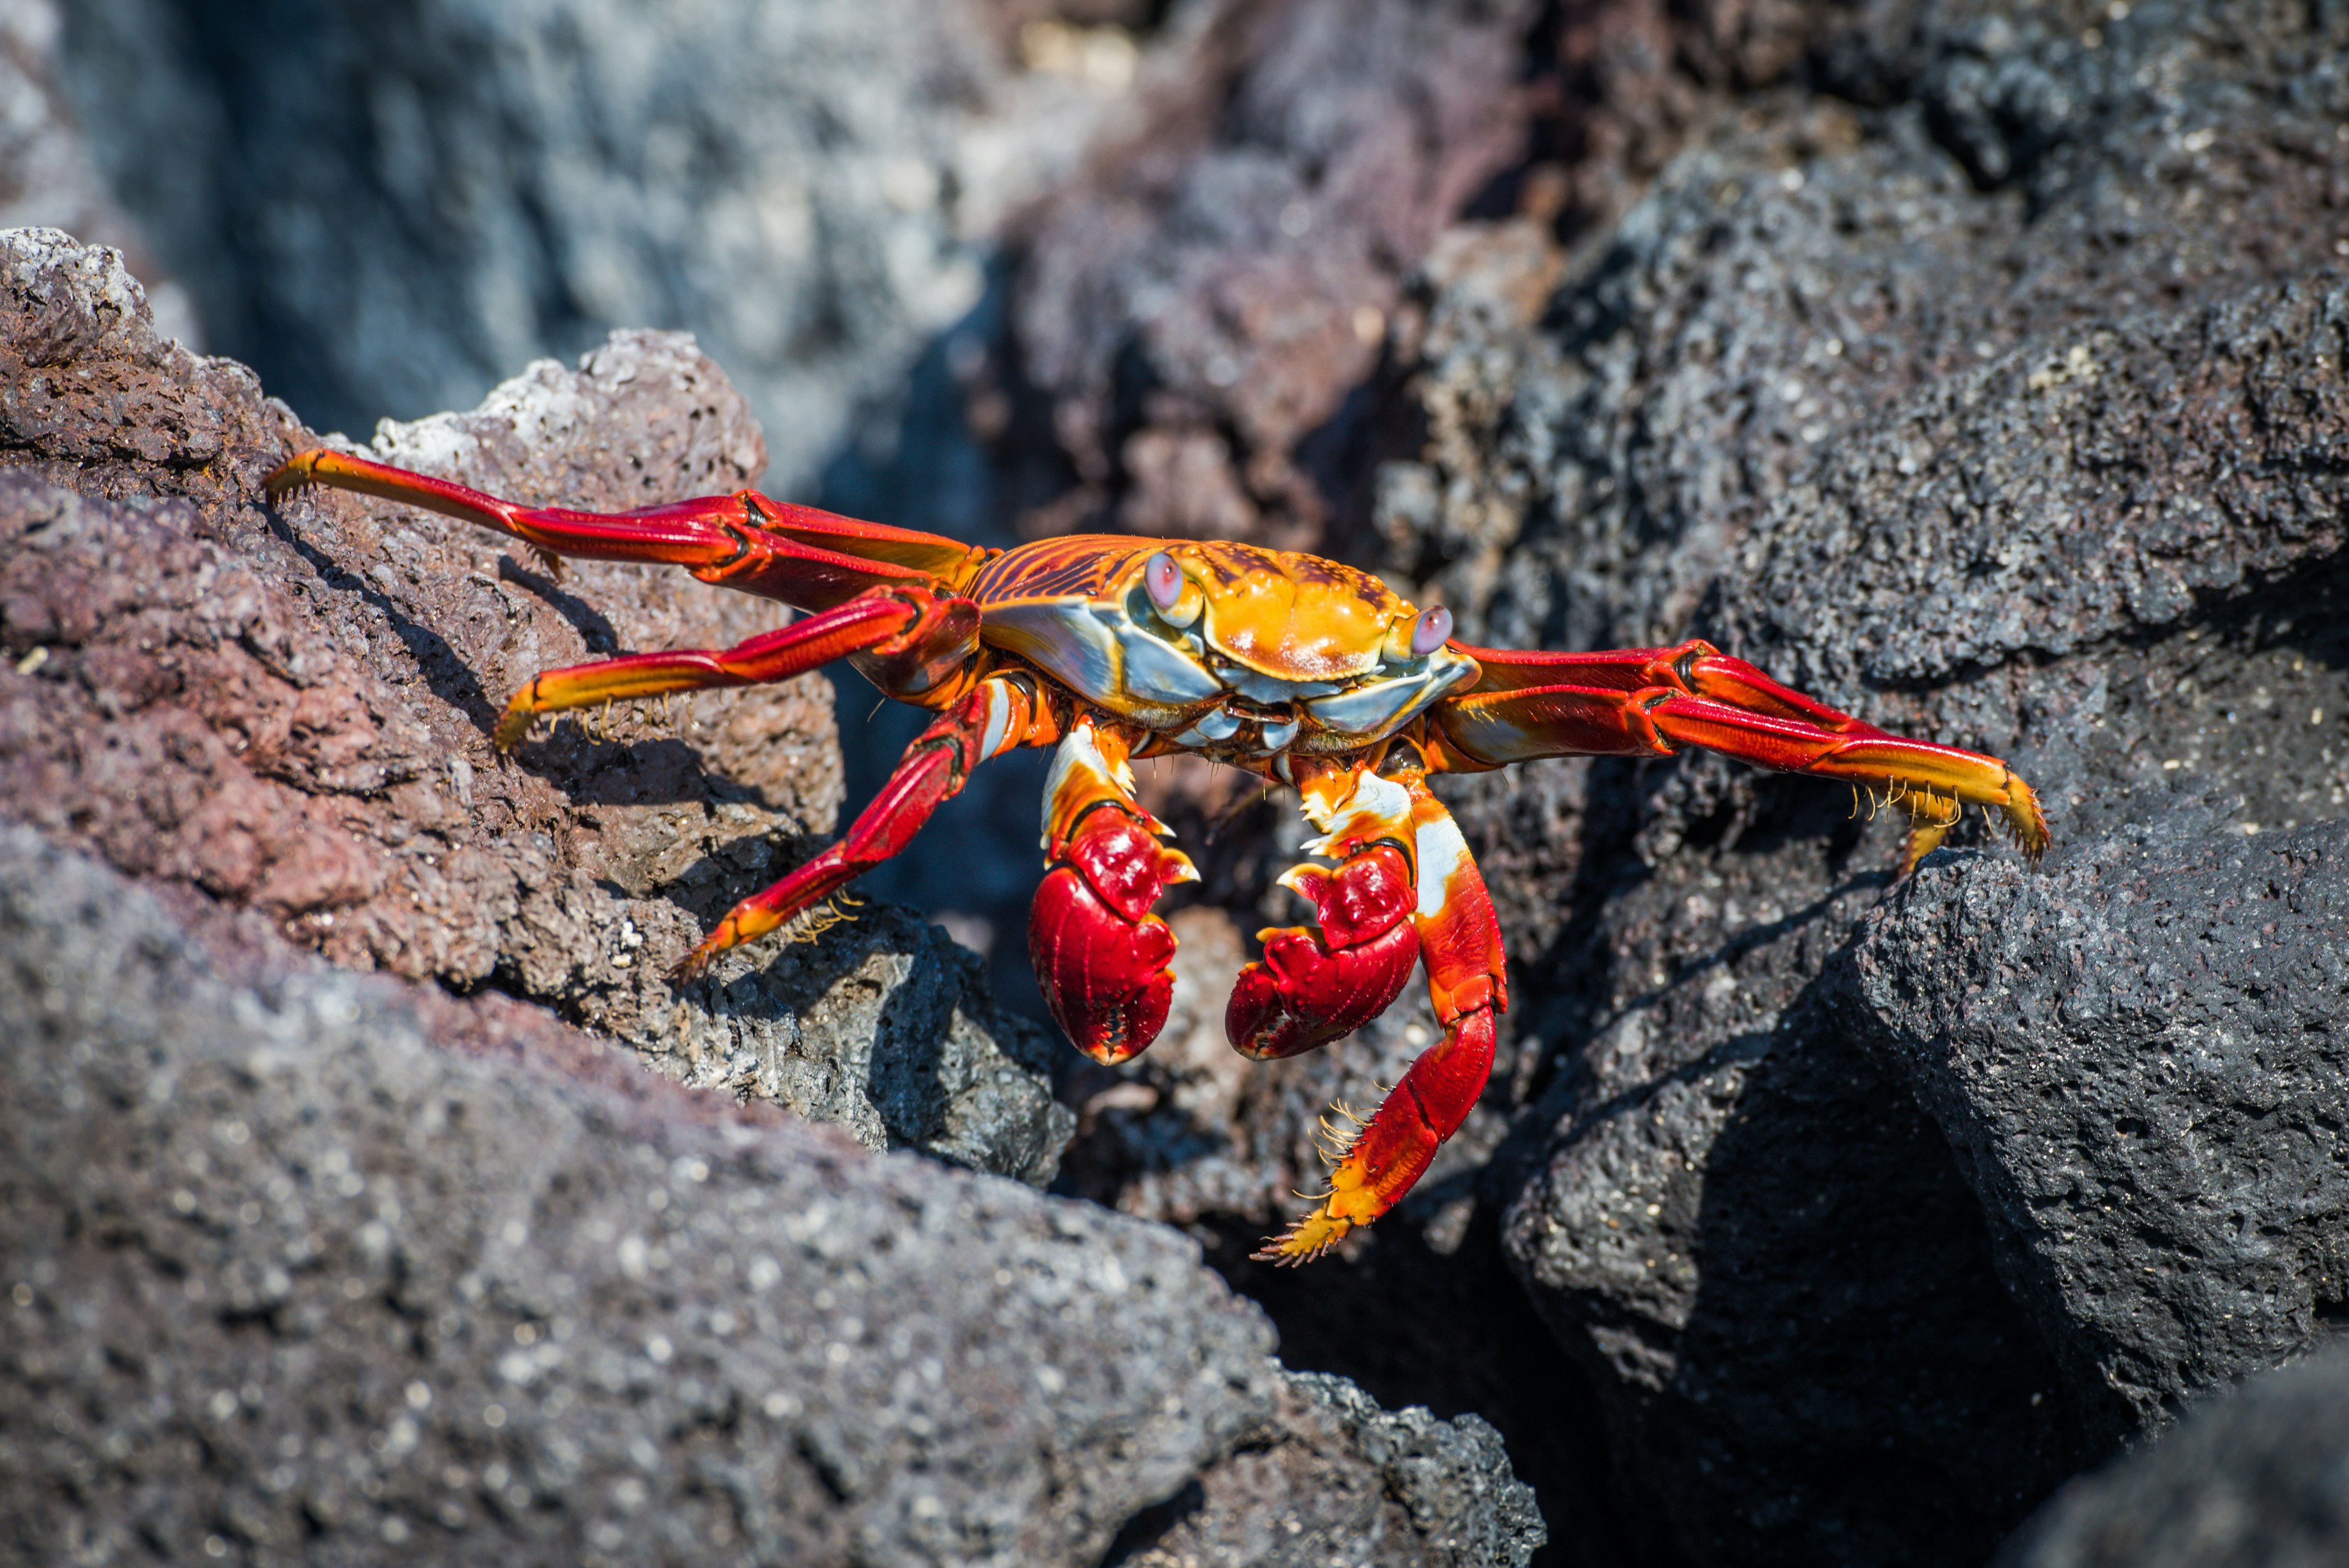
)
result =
(1103, 960)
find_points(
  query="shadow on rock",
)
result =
(2252, 1477)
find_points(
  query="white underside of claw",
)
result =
(1375, 803)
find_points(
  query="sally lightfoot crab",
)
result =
(1301, 671)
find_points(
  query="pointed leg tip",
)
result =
(2027, 822)
(1925, 835)
(296, 472)
(1314, 1233)
(696, 964)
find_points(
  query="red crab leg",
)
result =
(1101, 958)
(795, 553)
(1653, 702)
(1000, 712)
(917, 637)
(1460, 938)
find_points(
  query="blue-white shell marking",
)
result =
(1125, 656)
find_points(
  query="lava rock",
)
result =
(2025, 447)
(1331, 1476)
(1206, 302)
(49, 177)
(2140, 1058)
(290, 1280)
(283, 711)
(884, 1026)
(2252, 1479)
(288, 1275)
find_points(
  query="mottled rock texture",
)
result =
(292, 1283)
(2256, 1479)
(2140, 1057)
(49, 178)
(285, 711)
(1976, 367)
(445, 189)
(1989, 386)
(1214, 319)
(1331, 1477)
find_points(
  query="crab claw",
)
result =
(1101, 957)
(1315, 986)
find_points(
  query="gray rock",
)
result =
(1998, 411)
(1198, 308)
(2140, 1058)
(885, 1027)
(49, 177)
(291, 1279)
(2257, 1478)
(290, 1282)
(1331, 1477)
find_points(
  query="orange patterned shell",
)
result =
(1289, 615)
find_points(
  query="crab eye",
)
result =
(1433, 631)
(1163, 580)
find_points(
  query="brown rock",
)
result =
(286, 709)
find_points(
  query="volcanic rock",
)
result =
(307, 1262)
(445, 189)
(291, 1280)
(2140, 1058)
(1204, 303)
(285, 711)
(2256, 1479)
(1975, 397)
(1332, 1475)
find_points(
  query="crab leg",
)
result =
(998, 714)
(795, 553)
(1460, 940)
(1101, 958)
(915, 636)
(1653, 702)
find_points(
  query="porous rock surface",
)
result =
(49, 177)
(286, 711)
(1332, 1475)
(292, 1283)
(1209, 296)
(2256, 1479)
(1991, 388)
(2139, 1056)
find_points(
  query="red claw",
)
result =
(1100, 956)
(1314, 987)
